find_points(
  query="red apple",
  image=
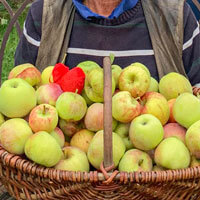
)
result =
(28, 72)
(171, 104)
(43, 117)
(48, 93)
(174, 130)
(156, 104)
(94, 118)
(124, 107)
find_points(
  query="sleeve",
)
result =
(29, 43)
(191, 46)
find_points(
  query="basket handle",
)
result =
(107, 116)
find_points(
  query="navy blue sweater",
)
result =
(126, 36)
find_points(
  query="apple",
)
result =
(192, 138)
(174, 130)
(48, 93)
(46, 75)
(135, 160)
(158, 168)
(173, 84)
(171, 105)
(116, 71)
(172, 153)
(70, 128)
(138, 64)
(186, 109)
(94, 118)
(155, 103)
(59, 136)
(74, 160)
(153, 87)
(27, 72)
(71, 106)
(124, 107)
(94, 85)
(43, 149)
(43, 117)
(13, 135)
(2, 120)
(88, 65)
(194, 162)
(95, 152)
(122, 130)
(84, 95)
(146, 132)
(17, 98)
(135, 80)
(82, 139)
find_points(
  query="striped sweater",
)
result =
(127, 37)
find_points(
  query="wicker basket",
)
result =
(25, 180)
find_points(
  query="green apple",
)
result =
(146, 132)
(70, 128)
(84, 95)
(2, 120)
(95, 151)
(43, 149)
(43, 117)
(122, 130)
(13, 135)
(192, 138)
(71, 106)
(173, 84)
(135, 80)
(74, 160)
(135, 160)
(174, 130)
(116, 71)
(59, 136)
(17, 98)
(124, 107)
(153, 85)
(155, 103)
(27, 72)
(46, 75)
(48, 93)
(138, 64)
(82, 139)
(186, 109)
(88, 65)
(94, 118)
(94, 85)
(171, 153)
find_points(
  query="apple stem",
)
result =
(76, 91)
(63, 61)
(44, 110)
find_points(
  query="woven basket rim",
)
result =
(27, 167)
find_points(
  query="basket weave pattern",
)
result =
(25, 180)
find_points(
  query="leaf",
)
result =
(112, 58)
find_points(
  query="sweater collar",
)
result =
(86, 13)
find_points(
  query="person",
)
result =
(195, 5)
(101, 27)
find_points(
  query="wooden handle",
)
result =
(107, 117)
